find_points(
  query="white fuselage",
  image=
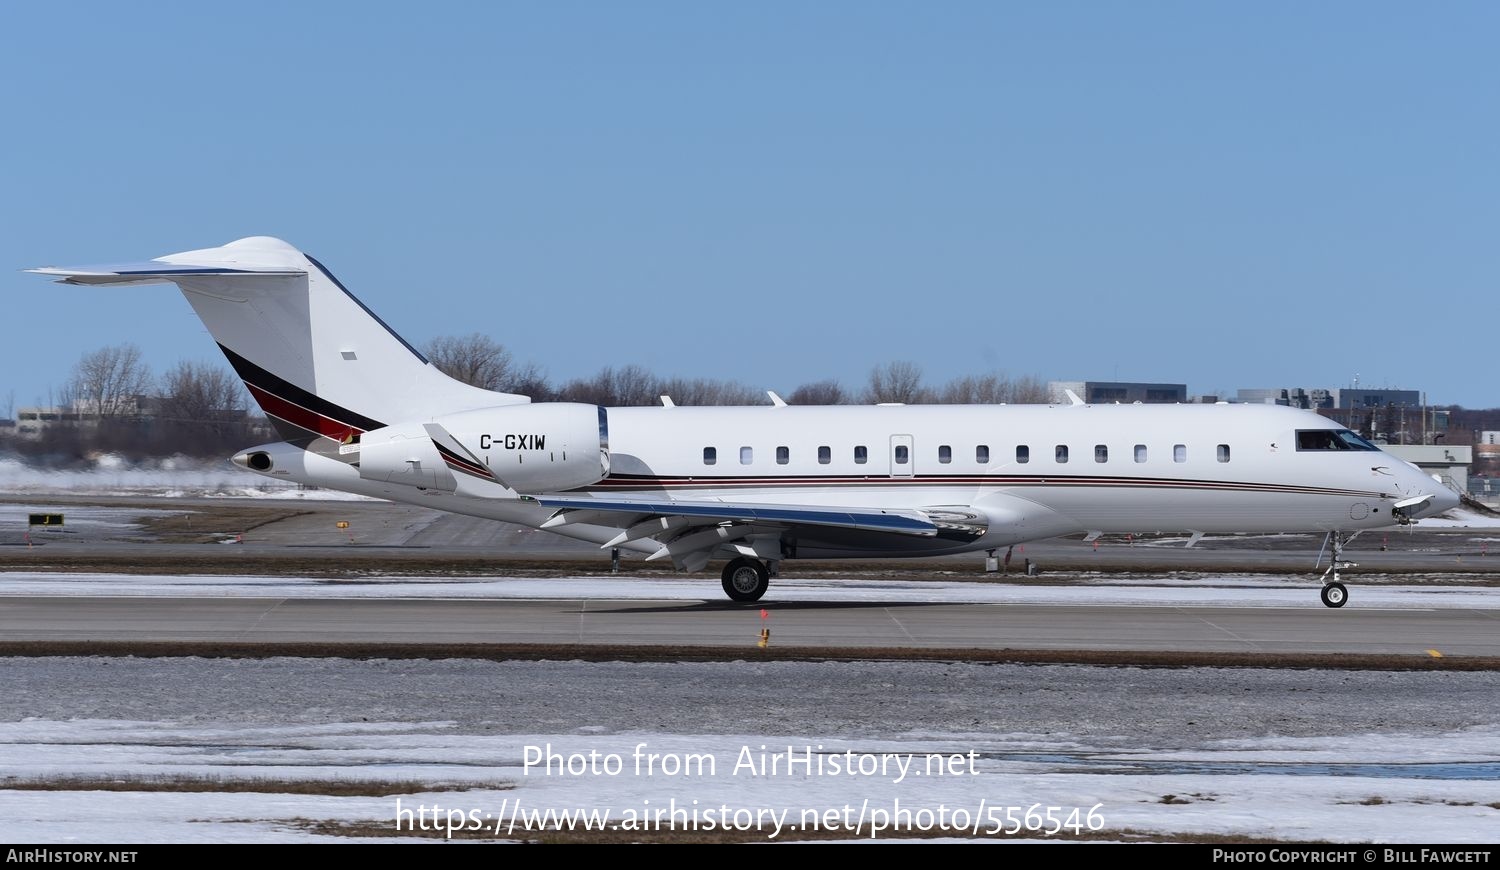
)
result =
(1030, 471)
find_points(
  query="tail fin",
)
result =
(314, 357)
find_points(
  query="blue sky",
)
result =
(1226, 195)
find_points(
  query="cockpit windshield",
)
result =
(1331, 439)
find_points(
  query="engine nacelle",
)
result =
(406, 454)
(534, 448)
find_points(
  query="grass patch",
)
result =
(209, 526)
(254, 785)
(668, 653)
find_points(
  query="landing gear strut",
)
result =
(746, 579)
(1334, 594)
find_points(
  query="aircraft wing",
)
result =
(690, 531)
(908, 522)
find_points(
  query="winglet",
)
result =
(775, 399)
(1073, 398)
(666, 402)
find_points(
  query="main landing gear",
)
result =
(746, 579)
(1334, 594)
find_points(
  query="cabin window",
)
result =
(861, 455)
(1179, 453)
(1101, 453)
(1331, 439)
(903, 454)
(747, 455)
(1061, 453)
(1023, 454)
(825, 455)
(945, 454)
(1140, 453)
(982, 454)
(1223, 452)
(783, 455)
(710, 455)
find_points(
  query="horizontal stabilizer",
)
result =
(155, 272)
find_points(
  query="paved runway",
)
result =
(678, 623)
(167, 537)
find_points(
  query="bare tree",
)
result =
(1029, 390)
(707, 391)
(109, 383)
(627, 386)
(897, 382)
(201, 409)
(827, 392)
(636, 386)
(990, 389)
(529, 380)
(993, 389)
(598, 390)
(198, 391)
(479, 361)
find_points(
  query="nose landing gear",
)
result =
(1334, 593)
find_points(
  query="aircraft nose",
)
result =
(1443, 501)
(1439, 499)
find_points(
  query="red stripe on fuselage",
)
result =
(300, 416)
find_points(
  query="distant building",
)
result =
(1124, 392)
(1487, 462)
(1450, 465)
(1363, 398)
(1392, 417)
(142, 411)
(1293, 397)
(32, 423)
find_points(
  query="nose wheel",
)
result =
(1334, 593)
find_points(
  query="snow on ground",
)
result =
(1385, 789)
(1459, 518)
(1240, 590)
(168, 478)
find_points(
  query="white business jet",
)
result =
(362, 411)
